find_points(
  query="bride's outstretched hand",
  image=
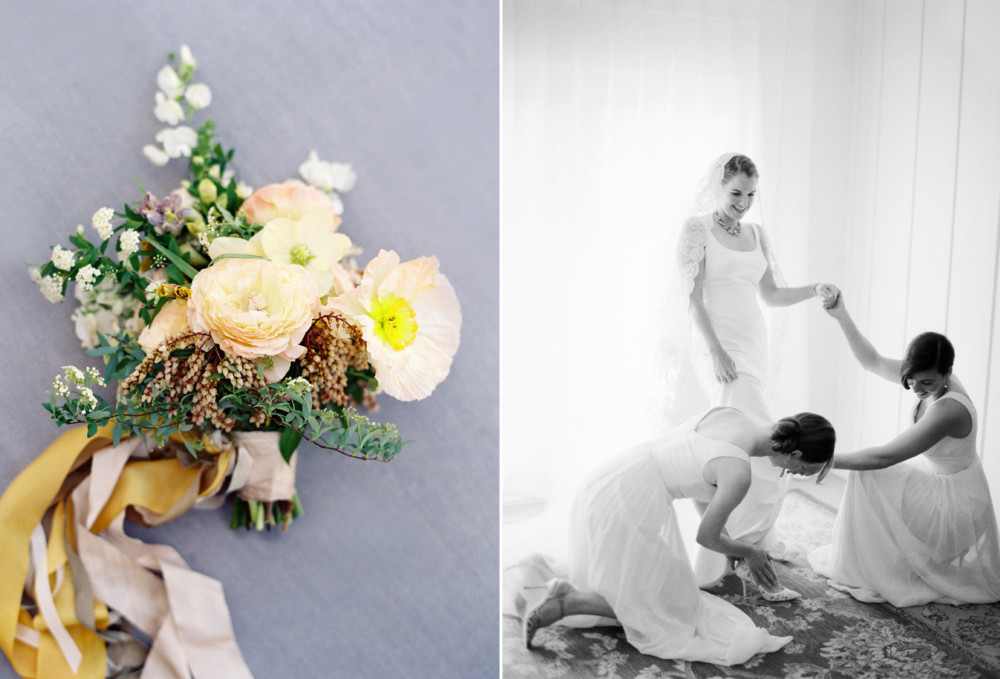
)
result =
(725, 367)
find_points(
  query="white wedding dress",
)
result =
(921, 531)
(729, 290)
(624, 543)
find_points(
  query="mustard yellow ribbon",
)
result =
(160, 489)
(22, 507)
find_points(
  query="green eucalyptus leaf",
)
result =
(288, 442)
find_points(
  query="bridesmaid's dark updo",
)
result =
(810, 434)
(927, 351)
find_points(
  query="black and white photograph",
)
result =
(750, 331)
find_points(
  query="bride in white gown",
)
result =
(916, 524)
(725, 264)
(627, 558)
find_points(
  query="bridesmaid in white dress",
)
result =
(726, 265)
(627, 558)
(916, 523)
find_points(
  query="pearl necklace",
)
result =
(733, 230)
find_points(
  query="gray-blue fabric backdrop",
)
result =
(392, 572)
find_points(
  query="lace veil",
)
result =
(683, 381)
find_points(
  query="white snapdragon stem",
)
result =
(168, 81)
(155, 155)
(177, 141)
(198, 95)
(168, 110)
(327, 176)
(187, 59)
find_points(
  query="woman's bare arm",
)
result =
(946, 418)
(863, 350)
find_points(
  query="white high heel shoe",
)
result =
(784, 594)
(556, 589)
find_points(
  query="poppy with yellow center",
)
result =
(395, 321)
(410, 320)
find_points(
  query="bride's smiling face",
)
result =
(737, 196)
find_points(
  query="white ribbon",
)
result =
(28, 635)
(47, 606)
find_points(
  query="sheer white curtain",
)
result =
(612, 110)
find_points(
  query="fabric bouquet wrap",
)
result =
(232, 324)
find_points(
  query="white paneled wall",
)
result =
(973, 296)
(875, 127)
(925, 205)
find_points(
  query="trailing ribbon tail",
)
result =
(89, 564)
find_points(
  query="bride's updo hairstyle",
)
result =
(810, 434)
(927, 351)
(735, 165)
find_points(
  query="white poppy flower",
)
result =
(410, 320)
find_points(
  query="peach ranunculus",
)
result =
(291, 200)
(172, 320)
(410, 320)
(254, 308)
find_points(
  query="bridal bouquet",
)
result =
(236, 323)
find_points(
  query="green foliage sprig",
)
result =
(286, 405)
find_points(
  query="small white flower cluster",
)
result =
(51, 286)
(102, 222)
(73, 374)
(299, 386)
(94, 375)
(87, 400)
(86, 277)
(83, 382)
(208, 232)
(62, 258)
(128, 244)
(177, 140)
(333, 178)
(59, 387)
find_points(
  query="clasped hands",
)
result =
(828, 293)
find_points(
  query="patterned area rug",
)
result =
(834, 635)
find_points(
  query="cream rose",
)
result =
(254, 307)
(290, 200)
(172, 320)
